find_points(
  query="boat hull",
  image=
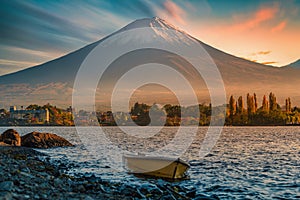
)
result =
(156, 166)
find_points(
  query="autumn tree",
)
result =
(232, 106)
(139, 109)
(240, 105)
(250, 104)
(288, 105)
(141, 114)
(173, 113)
(272, 102)
(255, 103)
(265, 104)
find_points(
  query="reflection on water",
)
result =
(247, 161)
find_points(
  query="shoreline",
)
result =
(46, 125)
(24, 175)
(28, 174)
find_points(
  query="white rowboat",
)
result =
(156, 166)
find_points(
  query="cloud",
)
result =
(263, 15)
(263, 52)
(257, 56)
(255, 19)
(175, 11)
(264, 63)
(279, 26)
(249, 59)
(132, 8)
(34, 53)
(260, 53)
(8, 66)
(48, 30)
(14, 63)
(37, 33)
(30, 26)
(269, 63)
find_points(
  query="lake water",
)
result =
(245, 163)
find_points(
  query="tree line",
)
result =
(269, 113)
(57, 117)
(239, 112)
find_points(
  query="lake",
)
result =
(246, 162)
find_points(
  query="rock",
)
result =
(6, 196)
(24, 174)
(148, 188)
(4, 144)
(81, 188)
(191, 193)
(202, 196)
(88, 198)
(6, 186)
(43, 140)
(57, 182)
(11, 137)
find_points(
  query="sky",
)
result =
(33, 32)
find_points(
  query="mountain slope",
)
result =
(52, 82)
(295, 64)
(62, 69)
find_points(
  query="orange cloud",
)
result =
(279, 27)
(245, 34)
(269, 63)
(249, 59)
(260, 16)
(175, 11)
(263, 52)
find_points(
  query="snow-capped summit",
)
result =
(52, 82)
(150, 22)
(147, 29)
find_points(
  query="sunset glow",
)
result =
(37, 32)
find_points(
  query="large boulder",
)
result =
(11, 137)
(4, 144)
(43, 140)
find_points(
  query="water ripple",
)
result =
(246, 163)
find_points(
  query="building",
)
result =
(32, 115)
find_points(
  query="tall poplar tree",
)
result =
(232, 106)
(265, 104)
(288, 105)
(255, 103)
(272, 102)
(240, 105)
(250, 104)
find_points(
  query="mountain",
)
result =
(295, 64)
(52, 82)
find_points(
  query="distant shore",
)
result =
(45, 125)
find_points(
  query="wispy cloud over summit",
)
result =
(56, 28)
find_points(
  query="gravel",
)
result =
(26, 174)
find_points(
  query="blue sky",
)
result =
(33, 32)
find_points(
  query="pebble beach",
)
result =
(27, 174)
